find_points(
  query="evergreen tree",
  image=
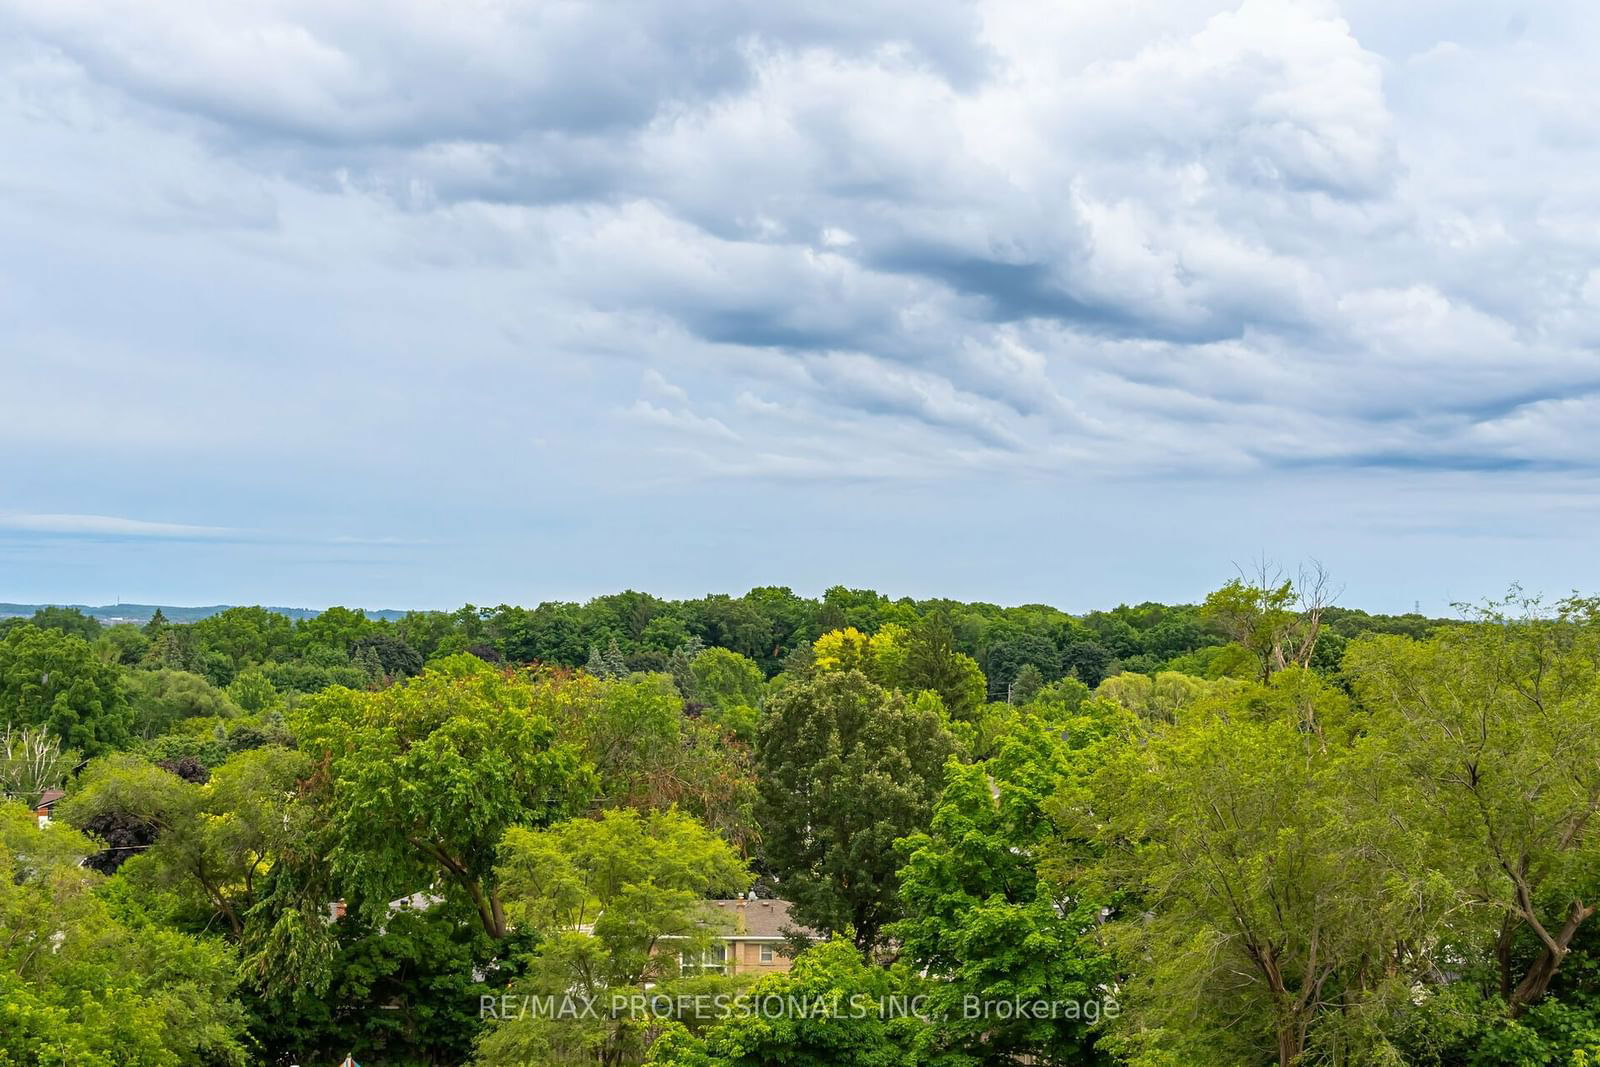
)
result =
(932, 662)
(1026, 685)
(157, 623)
(681, 666)
(616, 665)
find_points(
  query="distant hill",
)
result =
(114, 613)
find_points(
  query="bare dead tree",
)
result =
(31, 763)
(1276, 617)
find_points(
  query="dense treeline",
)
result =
(1263, 829)
(640, 632)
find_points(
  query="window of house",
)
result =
(713, 961)
(766, 953)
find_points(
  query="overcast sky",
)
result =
(415, 303)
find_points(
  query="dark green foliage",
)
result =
(426, 776)
(304, 651)
(1009, 648)
(68, 621)
(310, 678)
(933, 662)
(161, 699)
(53, 679)
(789, 623)
(121, 835)
(403, 992)
(337, 628)
(1087, 661)
(1026, 685)
(551, 633)
(125, 643)
(846, 768)
(245, 636)
(861, 608)
(608, 664)
(209, 742)
(423, 630)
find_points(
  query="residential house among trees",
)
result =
(754, 938)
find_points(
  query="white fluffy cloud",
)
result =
(884, 240)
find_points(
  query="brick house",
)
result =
(751, 938)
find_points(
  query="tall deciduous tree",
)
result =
(846, 768)
(78, 985)
(424, 778)
(67, 620)
(1276, 904)
(212, 843)
(647, 753)
(932, 662)
(984, 917)
(1161, 698)
(337, 628)
(395, 658)
(245, 635)
(1009, 648)
(161, 699)
(730, 685)
(1491, 732)
(55, 680)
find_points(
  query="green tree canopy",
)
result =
(616, 901)
(78, 985)
(1270, 893)
(847, 768)
(212, 842)
(424, 778)
(1489, 734)
(161, 699)
(53, 679)
(647, 753)
(730, 685)
(834, 1011)
(983, 916)
(245, 636)
(67, 620)
(932, 662)
(1278, 619)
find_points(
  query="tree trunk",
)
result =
(490, 912)
(498, 911)
(1538, 977)
(1291, 1042)
(1535, 982)
(1503, 945)
(1292, 1015)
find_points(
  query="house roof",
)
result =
(48, 798)
(756, 919)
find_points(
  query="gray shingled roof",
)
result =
(761, 918)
